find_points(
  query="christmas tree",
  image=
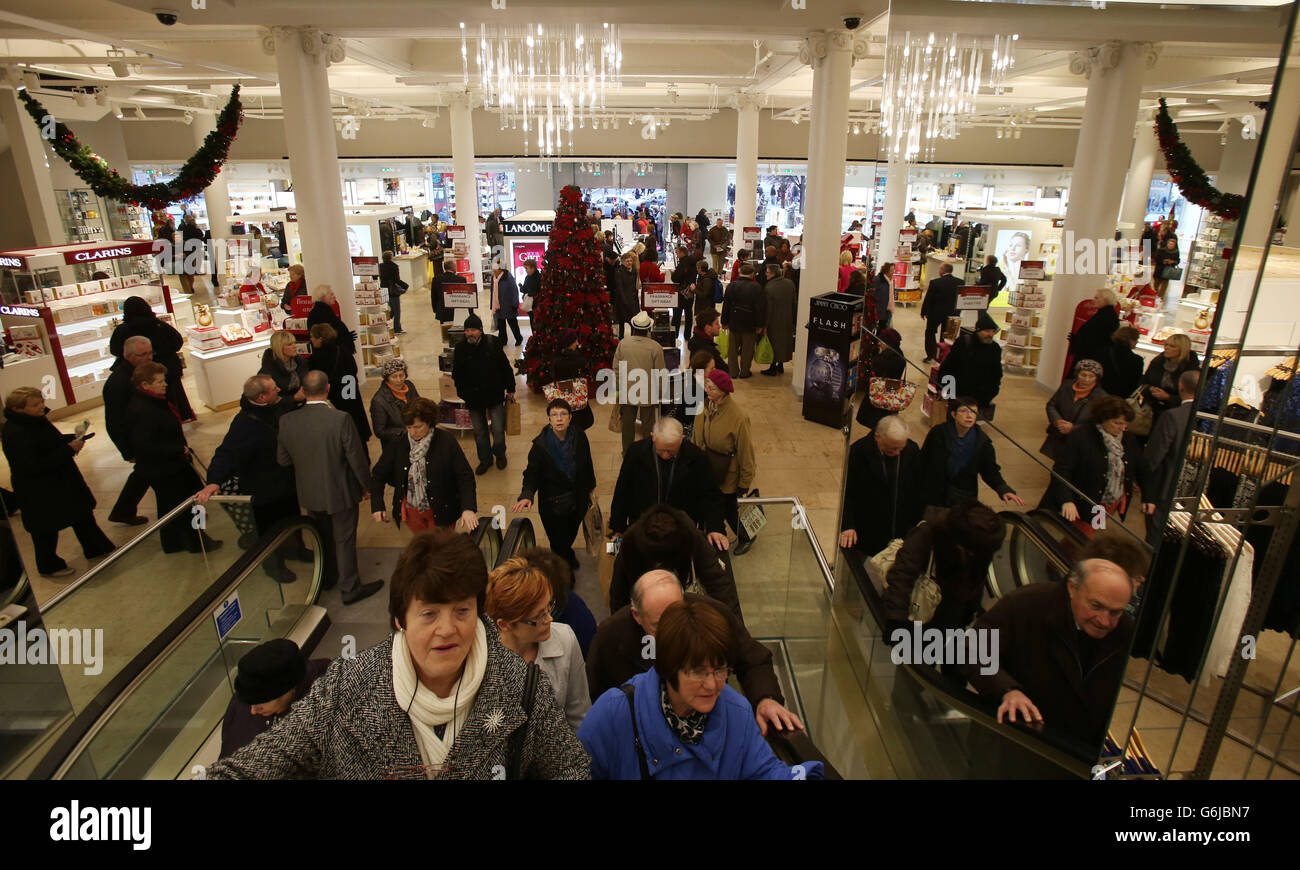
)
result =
(573, 295)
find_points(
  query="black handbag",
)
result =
(565, 503)
(719, 464)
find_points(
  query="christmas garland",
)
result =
(197, 173)
(1189, 176)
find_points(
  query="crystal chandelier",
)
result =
(544, 80)
(931, 85)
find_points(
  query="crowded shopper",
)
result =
(953, 547)
(248, 453)
(442, 697)
(430, 476)
(504, 303)
(1122, 367)
(782, 312)
(1093, 339)
(138, 318)
(282, 364)
(270, 678)
(975, 365)
(572, 365)
(296, 287)
(627, 292)
(719, 240)
(681, 720)
(708, 326)
(956, 454)
(668, 537)
(744, 316)
(1161, 378)
(322, 311)
(619, 650)
(1161, 457)
(889, 364)
(1099, 460)
(330, 355)
(706, 288)
(742, 257)
(882, 491)
(437, 289)
(390, 278)
(1165, 266)
(845, 272)
(521, 603)
(48, 487)
(637, 362)
(992, 277)
(722, 432)
(570, 608)
(684, 275)
(883, 287)
(485, 381)
(395, 392)
(163, 457)
(332, 475)
(117, 397)
(1071, 405)
(667, 469)
(940, 301)
(560, 478)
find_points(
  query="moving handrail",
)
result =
(74, 739)
(520, 536)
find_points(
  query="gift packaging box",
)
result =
(19, 332)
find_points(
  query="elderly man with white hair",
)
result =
(1063, 646)
(882, 488)
(624, 646)
(117, 395)
(667, 469)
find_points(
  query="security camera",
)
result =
(166, 16)
(852, 23)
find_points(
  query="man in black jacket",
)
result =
(505, 303)
(975, 365)
(708, 324)
(684, 276)
(1161, 459)
(192, 253)
(940, 301)
(667, 469)
(446, 276)
(619, 649)
(744, 314)
(484, 380)
(117, 395)
(992, 277)
(249, 451)
(882, 490)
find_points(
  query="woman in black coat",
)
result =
(163, 457)
(282, 364)
(889, 363)
(1161, 378)
(1123, 367)
(138, 318)
(330, 357)
(560, 477)
(1071, 406)
(1100, 459)
(571, 365)
(449, 489)
(323, 312)
(390, 400)
(1092, 341)
(627, 291)
(48, 486)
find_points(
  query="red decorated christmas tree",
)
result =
(573, 295)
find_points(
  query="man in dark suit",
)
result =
(667, 469)
(117, 395)
(332, 474)
(505, 303)
(744, 315)
(446, 276)
(940, 301)
(684, 276)
(1160, 458)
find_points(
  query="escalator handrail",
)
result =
(1061, 751)
(801, 515)
(510, 542)
(120, 553)
(1027, 523)
(484, 526)
(87, 723)
(1057, 521)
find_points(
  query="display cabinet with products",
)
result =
(1211, 249)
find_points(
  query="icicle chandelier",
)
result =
(931, 85)
(544, 81)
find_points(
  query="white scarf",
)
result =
(427, 709)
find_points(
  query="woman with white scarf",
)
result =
(439, 699)
(432, 483)
(1096, 467)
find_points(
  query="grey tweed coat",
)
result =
(351, 727)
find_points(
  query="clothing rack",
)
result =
(1283, 370)
(1241, 458)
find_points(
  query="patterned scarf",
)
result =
(417, 478)
(689, 729)
(1114, 467)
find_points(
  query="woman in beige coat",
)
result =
(722, 431)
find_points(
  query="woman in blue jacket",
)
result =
(688, 723)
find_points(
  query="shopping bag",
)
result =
(763, 353)
(616, 419)
(723, 341)
(593, 529)
(753, 517)
(891, 394)
(1143, 416)
(572, 391)
(513, 424)
(605, 571)
(526, 306)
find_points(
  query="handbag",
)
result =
(891, 394)
(526, 306)
(926, 596)
(573, 391)
(1143, 416)
(593, 529)
(719, 464)
(400, 287)
(1171, 273)
(565, 503)
(884, 560)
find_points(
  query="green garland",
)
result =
(197, 173)
(1188, 175)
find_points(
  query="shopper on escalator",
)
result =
(560, 478)
(271, 677)
(570, 608)
(956, 455)
(1099, 459)
(666, 538)
(667, 469)
(432, 483)
(882, 494)
(681, 720)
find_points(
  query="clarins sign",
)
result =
(110, 252)
(11, 262)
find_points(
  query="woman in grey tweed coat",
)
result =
(460, 704)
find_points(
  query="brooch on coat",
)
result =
(494, 720)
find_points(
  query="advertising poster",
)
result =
(359, 244)
(520, 251)
(1011, 247)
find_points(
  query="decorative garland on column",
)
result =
(197, 173)
(1188, 175)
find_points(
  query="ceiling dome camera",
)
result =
(852, 23)
(167, 16)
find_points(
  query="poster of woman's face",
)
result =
(1012, 246)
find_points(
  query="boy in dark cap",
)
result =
(271, 677)
(975, 364)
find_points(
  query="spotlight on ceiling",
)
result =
(101, 97)
(117, 111)
(139, 114)
(117, 63)
(82, 97)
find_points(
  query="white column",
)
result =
(831, 56)
(34, 181)
(746, 164)
(216, 196)
(895, 209)
(302, 55)
(1101, 158)
(1237, 161)
(462, 163)
(1141, 168)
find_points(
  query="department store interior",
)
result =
(1126, 159)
